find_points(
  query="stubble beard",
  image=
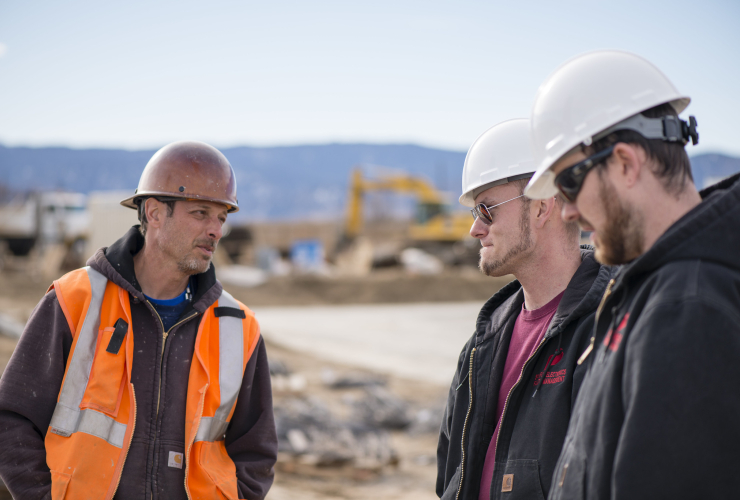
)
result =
(187, 262)
(193, 265)
(501, 267)
(622, 238)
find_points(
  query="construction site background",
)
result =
(357, 409)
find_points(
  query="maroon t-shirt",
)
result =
(529, 329)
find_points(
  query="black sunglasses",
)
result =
(570, 180)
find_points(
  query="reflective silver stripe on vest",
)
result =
(67, 418)
(230, 371)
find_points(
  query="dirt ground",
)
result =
(412, 478)
(390, 285)
(414, 475)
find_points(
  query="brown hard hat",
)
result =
(188, 170)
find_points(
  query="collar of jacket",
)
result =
(116, 263)
(582, 296)
(708, 232)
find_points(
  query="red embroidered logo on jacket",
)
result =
(613, 339)
(552, 377)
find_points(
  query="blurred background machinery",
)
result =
(44, 231)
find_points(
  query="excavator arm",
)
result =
(425, 193)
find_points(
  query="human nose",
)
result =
(215, 229)
(569, 213)
(478, 230)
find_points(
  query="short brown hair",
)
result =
(142, 214)
(671, 164)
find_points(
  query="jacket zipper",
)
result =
(465, 424)
(161, 356)
(506, 402)
(161, 360)
(128, 447)
(590, 347)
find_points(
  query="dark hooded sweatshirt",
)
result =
(533, 425)
(657, 416)
(31, 382)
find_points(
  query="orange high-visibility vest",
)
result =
(93, 422)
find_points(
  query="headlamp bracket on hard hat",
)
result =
(667, 128)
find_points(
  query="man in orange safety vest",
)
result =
(138, 376)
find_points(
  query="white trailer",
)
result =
(45, 218)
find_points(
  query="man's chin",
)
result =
(605, 256)
(195, 266)
(493, 269)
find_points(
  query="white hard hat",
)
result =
(502, 154)
(585, 96)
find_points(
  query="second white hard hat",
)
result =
(585, 96)
(501, 154)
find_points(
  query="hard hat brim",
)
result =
(131, 201)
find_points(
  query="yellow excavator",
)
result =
(435, 220)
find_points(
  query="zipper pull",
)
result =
(607, 292)
(587, 351)
(590, 347)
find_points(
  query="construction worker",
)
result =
(139, 377)
(510, 399)
(657, 414)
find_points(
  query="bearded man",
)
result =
(139, 377)
(657, 413)
(517, 377)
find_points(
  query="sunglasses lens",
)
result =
(483, 213)
(568, 185)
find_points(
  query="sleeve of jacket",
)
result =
(251, 440)
(681, 382)
(443, 445)
(28, 393)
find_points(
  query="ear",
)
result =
(153, 210)
(543, 210)
(630, 162)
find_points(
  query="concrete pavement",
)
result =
(419, 341)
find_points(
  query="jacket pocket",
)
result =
(220, 468)
(59, 482)
(105, 386)
(451, 491)
(518, 480)
(569, 481)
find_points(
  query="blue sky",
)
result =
(437, 73)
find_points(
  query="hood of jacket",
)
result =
(116, 263)
(709, 232)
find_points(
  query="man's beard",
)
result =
(193, 264)
(498, 267)
(622, 238)
(187, 262)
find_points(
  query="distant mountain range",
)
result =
(290, 182)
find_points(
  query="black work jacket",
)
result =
(657, 416)
(31, 382)
(533, 425)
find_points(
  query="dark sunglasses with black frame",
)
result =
(570, 180)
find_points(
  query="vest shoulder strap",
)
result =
(75, 290)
